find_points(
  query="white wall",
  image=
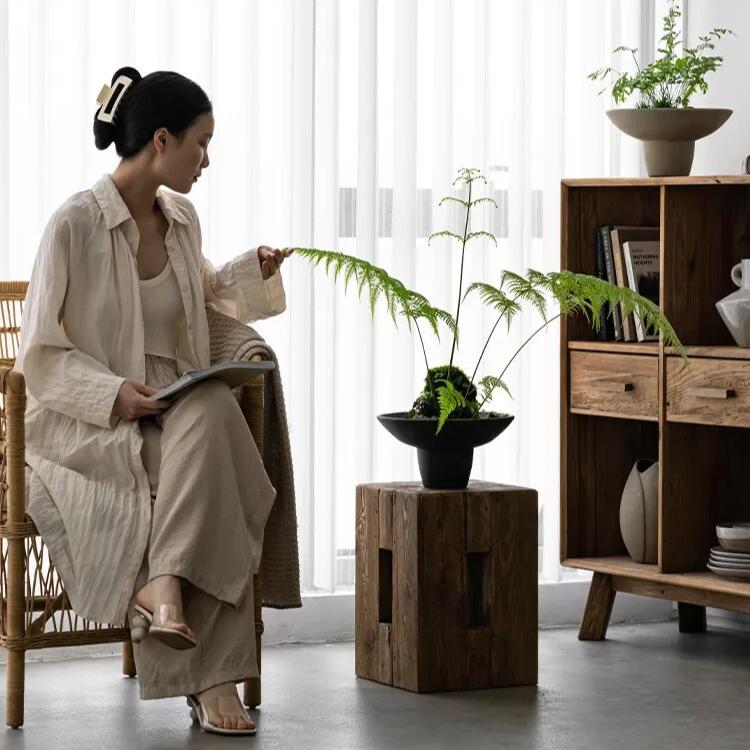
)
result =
(724, 151)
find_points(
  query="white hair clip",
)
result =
(110, 97)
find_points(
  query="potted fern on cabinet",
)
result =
(447, 419)
(663, 119)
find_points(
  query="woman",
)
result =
(149, 508)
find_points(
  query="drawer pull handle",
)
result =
(716, 393)
(614, 386)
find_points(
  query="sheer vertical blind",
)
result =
(339, 125)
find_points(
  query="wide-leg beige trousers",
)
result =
(211, 498)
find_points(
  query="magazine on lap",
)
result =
(234, 374)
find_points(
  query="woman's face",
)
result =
(187, 158)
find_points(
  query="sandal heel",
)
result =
(139, 628)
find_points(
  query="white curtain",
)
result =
(339, 125)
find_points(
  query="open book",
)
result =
(234, 374)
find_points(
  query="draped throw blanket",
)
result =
(279, 566)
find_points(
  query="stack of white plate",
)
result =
(723, 562)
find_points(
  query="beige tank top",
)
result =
(162, 311)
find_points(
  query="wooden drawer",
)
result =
(710, 391)
(614, 385)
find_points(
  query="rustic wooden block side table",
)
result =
(446, 586)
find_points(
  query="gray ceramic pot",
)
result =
(639, 512)
(668, 135)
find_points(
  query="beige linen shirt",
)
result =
(81, 337)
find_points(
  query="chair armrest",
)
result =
(13, 435)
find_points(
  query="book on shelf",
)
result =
(642, 266)
(605, 324)
(620, 235)
(609, 264)
(234, 374)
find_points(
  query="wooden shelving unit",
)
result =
(625, 401)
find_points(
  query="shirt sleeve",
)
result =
(59, 376)
(237, 288)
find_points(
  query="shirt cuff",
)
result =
(102, 407)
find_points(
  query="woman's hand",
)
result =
(133, 401)
(270, 259)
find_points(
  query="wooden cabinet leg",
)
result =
(128, 659)
(16, 670)
(692, 618)
(598, 609)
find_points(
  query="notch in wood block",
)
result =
(385, 585)
(477, 589)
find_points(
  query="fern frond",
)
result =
(398, 299)
(449, 400)
(489, 383)
(445, 233)
(497, 299)
(578, 292)
(484, 200)
(455, 200)
(481, 233)
(528, 289)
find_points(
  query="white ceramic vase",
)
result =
(639, 512)
(735, 309)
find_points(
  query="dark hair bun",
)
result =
(162, 99)
(106, 132)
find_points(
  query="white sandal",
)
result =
(143, 625)
(198, 713)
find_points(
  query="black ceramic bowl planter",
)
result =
(445, 459)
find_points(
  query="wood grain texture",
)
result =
(385, 519)
(710, 596)
(407, 604)
(592, 496)
(366, 626)
(441, 570)
(622, 568)
(617, 385)
(385, 654)
(650, 348)
(598, 610)
(710, 391)
(478, 523)
(700, 413)
(464, 609)
(705, 231)
(697, 180)
(513, 597)
(588, 207)
(704, 482)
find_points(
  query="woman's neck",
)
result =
(137, 189)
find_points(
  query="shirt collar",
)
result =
(116, 211)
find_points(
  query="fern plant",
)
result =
(670, 80)
(448, 391)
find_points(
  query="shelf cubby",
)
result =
(625, 401)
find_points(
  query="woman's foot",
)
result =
(224, 707)
(163, 596)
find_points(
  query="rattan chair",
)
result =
(35, 611)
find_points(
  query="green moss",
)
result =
(426, 404)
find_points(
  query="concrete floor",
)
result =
(646, 687)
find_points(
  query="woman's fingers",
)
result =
(151, 406)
